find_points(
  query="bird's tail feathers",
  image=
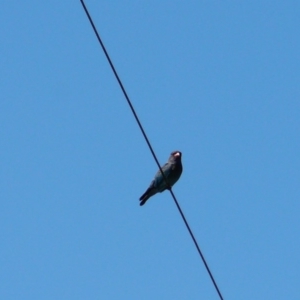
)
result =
(150, 192)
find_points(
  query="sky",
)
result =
(217, 80)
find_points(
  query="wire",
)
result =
(150, 147)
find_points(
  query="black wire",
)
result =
(150, 147)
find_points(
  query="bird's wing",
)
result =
(158, 178)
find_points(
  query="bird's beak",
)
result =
(177, 154)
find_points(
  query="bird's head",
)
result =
(175, 156)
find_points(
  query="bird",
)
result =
(172, 171)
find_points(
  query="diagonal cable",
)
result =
(150, 147)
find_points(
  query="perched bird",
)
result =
(172, 171)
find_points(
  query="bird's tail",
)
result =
(150, 192)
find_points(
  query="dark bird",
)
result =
(172, 171)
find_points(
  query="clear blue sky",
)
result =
(218, 80)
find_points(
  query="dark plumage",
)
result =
(172, 171)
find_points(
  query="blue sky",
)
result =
(217, 80)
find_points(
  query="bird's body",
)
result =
(172, 171)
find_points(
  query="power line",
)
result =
(150, 147)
